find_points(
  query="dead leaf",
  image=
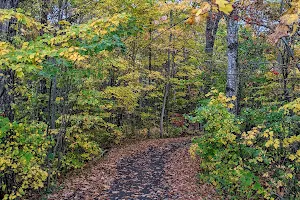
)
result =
(190, 20)
(280, 31)
(204, 9)
(289, 19)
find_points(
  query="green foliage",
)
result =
(32, 151)
(23, 150)
(96, 73)
(249, 158)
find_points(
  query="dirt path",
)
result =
(153, 169)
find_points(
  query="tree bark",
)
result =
(43, 81)
(232, 54)
(150, 50)
(167, 86)
(212, 24)
(44, 11)
(7, 76)
(6, 96)
(8, 4)
(163, 110)
(7, 80)
(283, 60)
(52, 108)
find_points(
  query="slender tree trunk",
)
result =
(7, 76)
(283, 61)
(7, 81)
(5, 28)
(212, 24)
(167, 86)
(150, 65)
(232, 54)
(6, 93)
(163, 110)
(52, 103)
(51, 125)
(44, 11)
(60, 10)
(43, 81)
(150, 50)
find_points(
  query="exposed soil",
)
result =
(152, 169)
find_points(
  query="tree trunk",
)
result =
(43, 81)
(52, 108)
(7, 76)
(167, 86)
(44, 11)
(232, 54)
(212, 24)
(6, 95)
(7, 80)
(150, 50)
(283, 61)
(163, 110)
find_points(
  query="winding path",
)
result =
(142, 176)
(153, 169)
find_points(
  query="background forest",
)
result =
(79, 76)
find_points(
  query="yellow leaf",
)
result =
(205, 8)
(295, 28)
(20, 74)
(271, 133)
(103, 32)
(64, 44)
(276, 144)
(289, 19)
(230, 105)
(260, 159)
(224, 6)
(289, 175)
(31, 56)
(269, 143)
(292, 157)
(227, 9)
(24, 45)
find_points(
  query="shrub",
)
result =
(23, 150)
(245, 162)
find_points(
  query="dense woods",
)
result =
(78, 77)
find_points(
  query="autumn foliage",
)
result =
(78, 77)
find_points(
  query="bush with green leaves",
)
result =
(243, 162)
(23, 151)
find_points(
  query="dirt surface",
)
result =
(152, 169)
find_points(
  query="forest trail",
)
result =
(151, 169)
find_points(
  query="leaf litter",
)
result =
(151, 169)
